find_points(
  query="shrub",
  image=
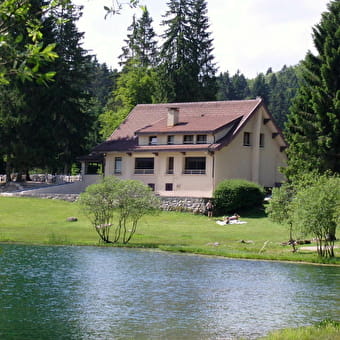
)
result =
(236, 195)
(119, 204)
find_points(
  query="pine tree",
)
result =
(283, 86)
(240, 86)
(141, 45)
(201, 48)
(71, 94)
(225, 87)
(260, 88)
(186, 60)
(52, 122)
(313, 127)
(175, 56)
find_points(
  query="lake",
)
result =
(50, 292)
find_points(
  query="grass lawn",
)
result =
(325, 330)
(43, 221)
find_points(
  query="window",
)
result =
(152, 140)
(201, 139)
(188, 139)
(170, 166)
(168, 187)
(118, 165)
(194, 165)
(152, 186)
(144, 166)
(171, 139)
(261, 140)
(246, 139)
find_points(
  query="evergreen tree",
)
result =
(186, 61)
(175, 58)
(260, 88)
(283, 86)
(141, 45)
(225, 87)
(203, 66)
(313, 127)
(51, 123)
(136, 84)
(240, 86)
(103, 82)
(70, 89)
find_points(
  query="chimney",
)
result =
(173, 113)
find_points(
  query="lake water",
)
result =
(110, 293)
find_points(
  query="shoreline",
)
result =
(188, 253)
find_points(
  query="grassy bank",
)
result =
(325, 330)
(39, 221)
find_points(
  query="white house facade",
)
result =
(186, 149)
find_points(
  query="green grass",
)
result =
(325, 330)
(42, 221)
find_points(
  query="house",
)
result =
(186, 149)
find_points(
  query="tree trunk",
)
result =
(8, 171)
(19, 177)
(28, 177)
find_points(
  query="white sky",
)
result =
(249, 35)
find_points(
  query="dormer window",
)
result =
(152, 140)
(171, 139)
(201, 139)
(188, 139)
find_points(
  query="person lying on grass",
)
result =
(234, 217)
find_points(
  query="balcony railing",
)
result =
(144, 171)
(194, 172)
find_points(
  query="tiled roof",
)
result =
(197, 117)
(204, 123)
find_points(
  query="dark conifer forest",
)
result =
(47, 124)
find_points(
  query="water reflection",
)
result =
(107, 293)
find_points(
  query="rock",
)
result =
(72, 219)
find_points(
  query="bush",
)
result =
(121, 201)
(237, 195)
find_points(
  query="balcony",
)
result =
(144, 171)
(194, 172)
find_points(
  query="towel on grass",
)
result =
(231, 222)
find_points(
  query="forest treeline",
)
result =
(47, 124)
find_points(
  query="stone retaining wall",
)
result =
(65, 197)
(189, 204)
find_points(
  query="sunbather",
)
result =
(227, 219)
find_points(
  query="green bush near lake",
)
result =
(237, 195)
(43, 221)
(325, 330)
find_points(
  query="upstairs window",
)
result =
(201, 139)
(188, 139)
(144, 165)
(152, 140)
(194, 165)
(261, 140)
(247, 139)
(171, 140)
(118, 165)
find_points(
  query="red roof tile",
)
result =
(196, 117)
